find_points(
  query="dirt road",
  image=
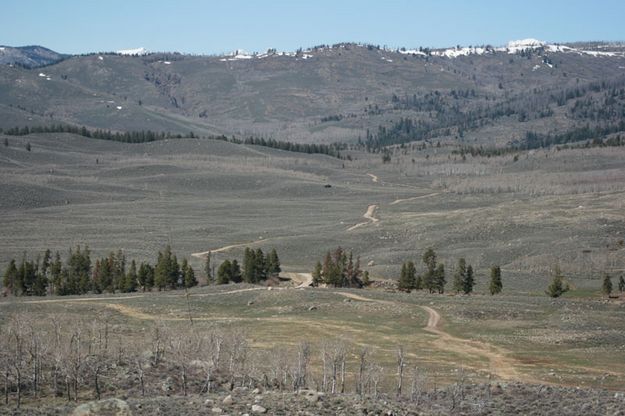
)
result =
(226, 248)
(414, 198)
(500, 364)
(374, 178)
(369, 215)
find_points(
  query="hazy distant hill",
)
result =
(331, 93)
(29, 56)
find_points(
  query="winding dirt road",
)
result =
(500, 363)
(369, 215)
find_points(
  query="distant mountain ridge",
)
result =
(345, 92)
(33, 56)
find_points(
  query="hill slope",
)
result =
(327, 94)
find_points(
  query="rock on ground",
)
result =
(108, 407)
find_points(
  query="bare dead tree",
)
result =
(303, 359)
(362, 359)
(376, 373)
(400, 369)
(417, 385)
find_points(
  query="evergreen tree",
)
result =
(273, 263)
(131, 281)
(207, 269)
(106, 275)
(365, 278)
(145, 276)
(175, 276)
(317, 277)
(407, 279)
(250, 274)
(10, 277)
(469, 281)
(161, 271)
(439, 278)
(557, 287)
(261, 265)
(56, 269)
(430, 276)
(607, 285)
(224, 273)
(419, 283)
(621, 284)
(496, 284)
(235, 272)
(188, 275)
(460, 276)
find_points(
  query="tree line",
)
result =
(339, 269)
(434, 278)
(78, 275)
(257, 268)
(145, 136)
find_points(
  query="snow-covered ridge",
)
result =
(239, 55)
(518, 46)
(137, 51)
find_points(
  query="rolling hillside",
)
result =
(330, 93)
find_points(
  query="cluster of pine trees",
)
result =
(77, 275)
(144, 136)
(309, 148)
(257, 267)
(434, 279)
(339, 270)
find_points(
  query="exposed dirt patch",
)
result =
(369, 215)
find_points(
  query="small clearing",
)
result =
(369, 215)
(302, 279)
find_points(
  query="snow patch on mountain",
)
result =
(136, 51)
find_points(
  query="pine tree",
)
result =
(175, 276)
(460, 276)
(188, 275)
(621, 284)
(407, 280)
(56, 269)
(440, 280)
(161, 271)
(607, 285)
(317, 277)
(131, 278)
(273, 263)
(145, 277)
(469, 281)
(207, 269)
(261, 265)
(224, 273)
(429, 278)
(10, 277)
(250, 274)
(496, 284)
(365, 278)
(557, 287)
(235, 272)
(419, 283)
